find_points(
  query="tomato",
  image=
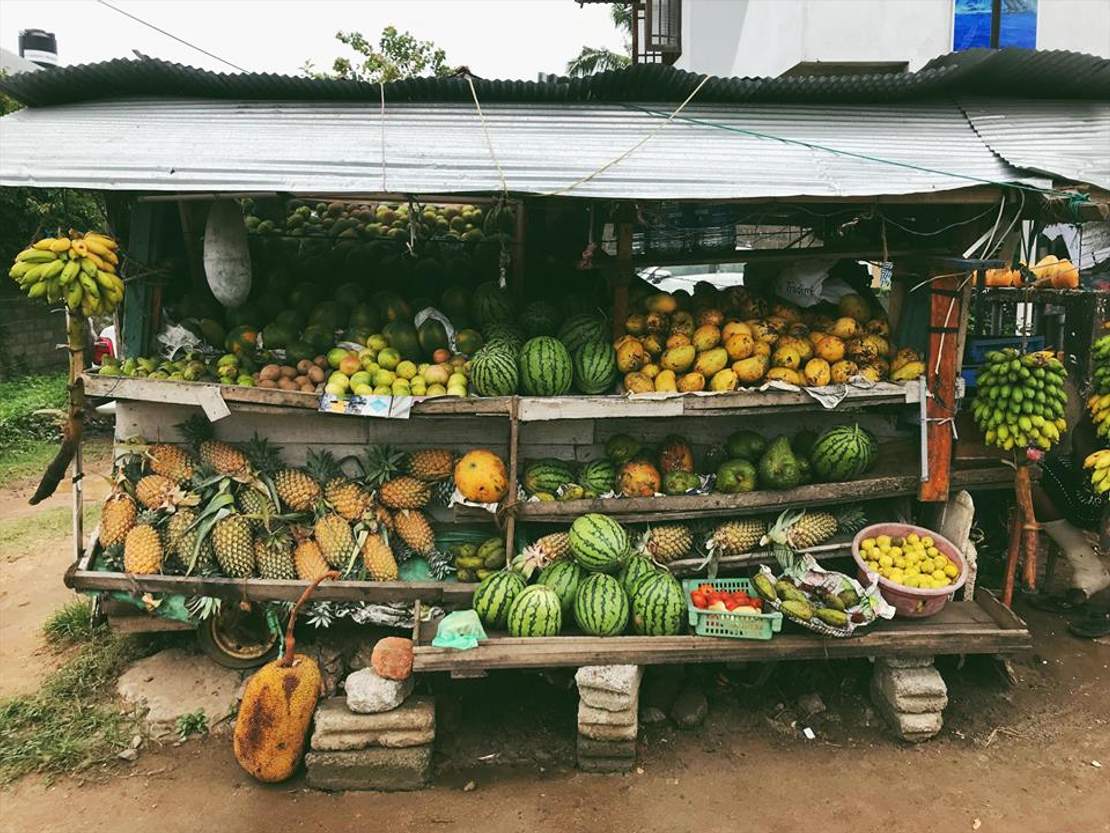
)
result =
(757, 604)
(699, 599)
(706, 588)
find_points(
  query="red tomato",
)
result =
(699, 599)
(731, 604)
(757, 604)
(706, 588)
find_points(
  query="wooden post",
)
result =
(76, 338)
(514, 463)
(1013, 552)
(940, 375)
(622, 277)
(518, 254)
(1023, 488)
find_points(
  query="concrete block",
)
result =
(607, 700)
(370, 769)
(589, 748)
(903, 662)
(588, 714)
(602, 765)
(910, 690)
(339, 729)
(619, 679)
(914, 728)
(601, 731)
(368, 693)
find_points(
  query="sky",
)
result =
(495, 38)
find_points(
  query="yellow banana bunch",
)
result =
(1098, 403)
(78, 270)
(1099, 465)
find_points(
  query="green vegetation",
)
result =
(47, 527)
(397, 55)
(70, 625)
(20, 399)
(194, 723)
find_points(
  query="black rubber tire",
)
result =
(237, 639)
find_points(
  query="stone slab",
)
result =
(910, 690)
(600, 731)
(416, 713)
(589, 748)
(903, 662)
(619, 679)
(609, 701)
(173, 683)
(914, 728)
(367, 693)
(369, 769)
(588, 714)
(602, 765)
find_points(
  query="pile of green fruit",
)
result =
(1098, 401)
(475, 562)
(1020, 400)
(191, 367)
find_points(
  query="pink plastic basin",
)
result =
(912, 602)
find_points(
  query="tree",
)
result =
(593, 59)
(397, 55)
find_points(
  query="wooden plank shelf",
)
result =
(982, 626)
(530, 408)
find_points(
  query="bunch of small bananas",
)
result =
(1099, 465)
(1020, 400)
(79, 269)
(1098, 403)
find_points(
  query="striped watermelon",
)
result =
(495, 595)
(493, 372)
(843, 452)
(537, 611)
(504, 334)
(595, 367)
(634, 569)
(545, 367)
(490, 303)
(540, 318)
(563, 577)
(546, 476)
(601, 607)
(658, 605)
(581, 328)
(599, 476)
(598, 543)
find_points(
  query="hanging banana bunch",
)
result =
(1098, 402)
(79, 270)
(1020, 400)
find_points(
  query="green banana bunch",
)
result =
(1020, 400)
(1098, 402)
(1098, 464)
(79, 270)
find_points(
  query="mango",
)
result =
(711, 315)
(787, 591)
(842, 371)
(786, 356)
(679, 359)
(682, 322)
(750, 370)
(677, 340)
(711, 362)
(762, 348)
(661, 302)
(657, 322)
(735, 328)
(635, 324)
(739, 346)
(908, 371)
(797, 609)
(638, 383)
(706, 337)
(666, 381)
(817, 373)
(802, 345)
(691, 382)
(854, 306)
(653, 344)
(845, 328)
(871, 373)
(724, 380)
(830, 348)
(785, 374)
(631, 355)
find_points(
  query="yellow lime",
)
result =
(927, 540)
(951, 570)
(867, 543)
(883, 540)
(885, 560)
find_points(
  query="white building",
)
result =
(770, 37)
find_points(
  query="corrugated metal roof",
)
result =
(1067, 139)
(1006, 72)
(206, 145)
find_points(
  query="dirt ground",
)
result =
(1030, 757)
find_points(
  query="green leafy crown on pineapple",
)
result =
(264, 456)
(381, 463)
(196, 429)
(322, 466)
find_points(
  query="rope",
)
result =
(381, 86)
(851, 154)
(485, 131)
(635, 147)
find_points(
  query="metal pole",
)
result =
(996, 22)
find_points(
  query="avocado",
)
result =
(778, 467)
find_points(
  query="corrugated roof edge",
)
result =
(1010, 72)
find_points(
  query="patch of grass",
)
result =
(20, 399)
(26, 459)
(70, 624)
(193, 723)
(28, 534)
(72, 722)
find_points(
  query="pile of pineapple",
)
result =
(213, 508)
(721, 340)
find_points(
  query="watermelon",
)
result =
(578, 329)
(490, 303)
(563, 577)
(495, 594)
(504, 333)
(598, 543)
(599, 476)
(432, 336)
(658, 605)
(540, 318)
(468, 341)
(601, 606)
(546, 476)
(403, 338)
(493, 372)
(843, 452)
(537, 611)
(595, 367)
(634, 569)
(545, 367)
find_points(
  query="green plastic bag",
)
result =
(461, 630)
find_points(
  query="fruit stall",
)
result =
(490, 390)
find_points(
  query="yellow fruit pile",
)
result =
(739, 339)
(79, 269)
(913, 561)
(1098, 464)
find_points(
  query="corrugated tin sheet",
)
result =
(1067, 139)
(206, 145)
(1007, 72)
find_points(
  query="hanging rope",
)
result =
(485, 131)
(632, 149)
(381, 86)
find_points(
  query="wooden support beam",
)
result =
(940, 375)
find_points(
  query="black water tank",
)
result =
(39, 47)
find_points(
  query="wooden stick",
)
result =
(290, 644)
(514, 462)
(1023, 488)
(1012, 553)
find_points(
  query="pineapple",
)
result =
(273, 553)
(431, 464)
(404, 492)
(348, 497)
(308, 561)
(811, 529)
(736, 537)
(233, 542)
(443, 491)
(223, 458)
(117, 518)
(378, 558)
(155, 490)
(142, 549)
(666, 542)
(296, 489)
(334, 536)
(111, 558)
(170, 461)
(554, 546)
(254, 499)
(182, 547)
(381, 463)
(415, 531)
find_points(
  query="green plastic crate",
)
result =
(729, 625)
